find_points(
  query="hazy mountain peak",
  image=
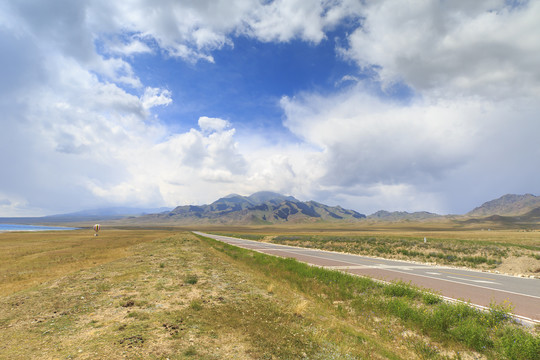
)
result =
(265, 196)
(509, 204)
(402, 215)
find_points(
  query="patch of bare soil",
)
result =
(520, 266)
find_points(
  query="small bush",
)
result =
(401, 290)
(475, 259)
(402, 309)
(517, 344)
(431, 299)
(498, 314)
(473, 334)
(191, 279)
(195, 305)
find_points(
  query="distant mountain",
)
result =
(112, 212)
(507, 205)
(402, 215)
(528, 220)
(259, 208)
(235, 202)
(103, 214)
(267, 196)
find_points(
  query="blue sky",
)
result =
(424, 105)
(246, 80)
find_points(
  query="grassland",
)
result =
(161, 294)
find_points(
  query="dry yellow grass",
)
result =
(129, 297)
(30, 258)
(161, 294)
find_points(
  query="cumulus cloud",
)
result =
(131, 46)
(212, 124)
(193, 29)
(475, 89)
(155, 97)
(282, 20)
(424, 149)
(487, 48)
(75, 130)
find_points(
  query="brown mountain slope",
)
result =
(507, 205)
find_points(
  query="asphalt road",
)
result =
(479, 288)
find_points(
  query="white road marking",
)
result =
(485, 282)
(433, 273)
(476, 281)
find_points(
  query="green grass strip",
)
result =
(491, 332)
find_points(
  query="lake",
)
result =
(13, 227)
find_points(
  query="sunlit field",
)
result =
(165, 293)
(30, 258)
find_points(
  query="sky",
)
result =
(417, 105)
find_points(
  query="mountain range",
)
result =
(260, 208)
(272, 208)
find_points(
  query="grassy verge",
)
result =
(453, 325)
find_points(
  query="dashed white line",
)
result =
(485, 282)
(476, 281)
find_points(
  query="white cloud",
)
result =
(213, 124)
(283, 20)
(75, 130)
(133, 46)
(423, 149)
(486, 48)
(193, 29)
(155, 97)
(367, 140)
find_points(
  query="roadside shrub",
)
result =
(431, 299)
(475, 259)
(517, 344)
(473, 334)
(447, 316)
(401, 290)
(402, 309)
(498, 313)
(441, 319)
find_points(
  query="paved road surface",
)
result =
(477, 287)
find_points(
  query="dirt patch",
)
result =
(520, 266)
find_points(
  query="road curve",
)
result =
(479, 288)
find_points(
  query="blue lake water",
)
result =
(13, 227)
